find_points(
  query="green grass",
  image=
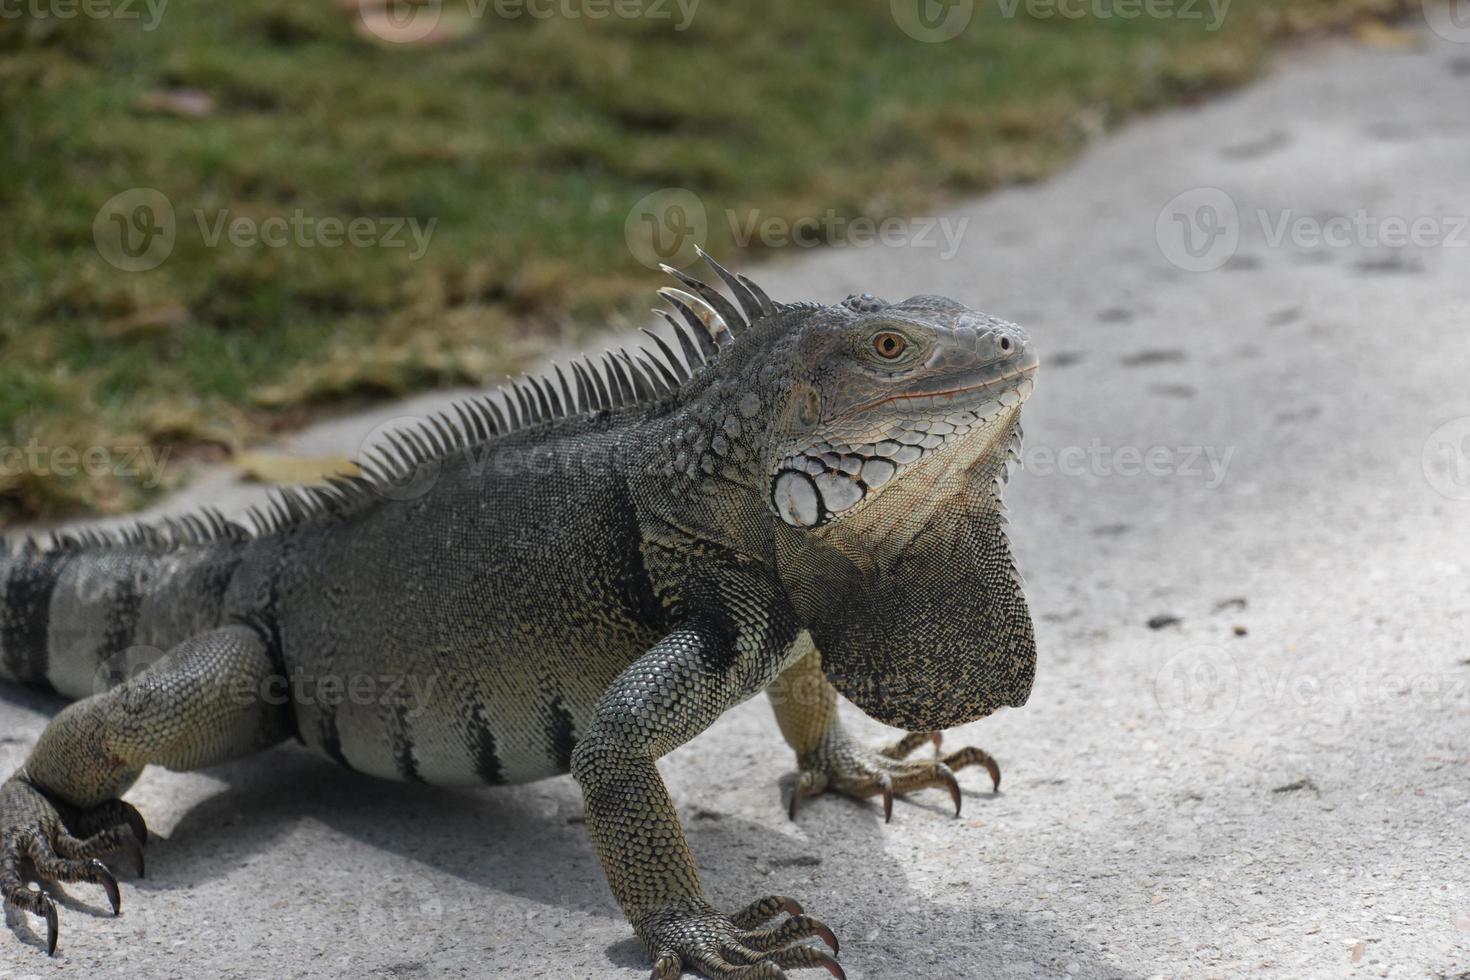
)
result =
(526, 141)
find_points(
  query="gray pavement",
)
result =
(1277, 446)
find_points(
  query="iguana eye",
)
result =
(889, 345)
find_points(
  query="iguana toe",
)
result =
(763, 910)
(906, 746)
(793, 930)
(115, 817)
(698, 937)
(841, 765)
(36, 842)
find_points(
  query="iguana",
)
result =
(576, 574)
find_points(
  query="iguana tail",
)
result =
(90, 610)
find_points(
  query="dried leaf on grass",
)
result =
(188, 103)
(281, 468)
(153, 321)
(1377, 34)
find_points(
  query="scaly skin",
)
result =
(577, 577)
(187, 713)
(828, 758)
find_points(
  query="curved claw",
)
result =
(970, 756)
(806, 956)
(944, 773)
(827, 936)
(668, 966)
(134, 850)
(793, 930)
(136, 823)
(832, 966)
(109, 885)
(53, 925)
(795, 802)
(885, 785)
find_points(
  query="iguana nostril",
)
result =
(1005, 345)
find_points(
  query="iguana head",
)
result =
(901, 420)
(885, 399)
(867, 441)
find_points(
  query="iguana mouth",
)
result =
(1024, 372)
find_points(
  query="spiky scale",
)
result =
(706, 315)
(669, 362)
(697, 326)
(584, 387)
(692, 355)
(710, 295)
(470, 421)
(768, 308)
(747, 300)
(527, 411)
(604, 399)
(492, 406)
(543, 396)
(659, 369)
(642, 389)
(566, 391)
(514, 419)
(617, 381)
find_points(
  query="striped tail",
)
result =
(88, 611)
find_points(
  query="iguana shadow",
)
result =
(530, 843)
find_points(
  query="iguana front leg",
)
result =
(60, 813)
(664, 699)
(829, 758)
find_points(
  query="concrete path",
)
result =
(1274, 449)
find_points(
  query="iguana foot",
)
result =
(36, 842)
(693, 935)
(840, 764)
